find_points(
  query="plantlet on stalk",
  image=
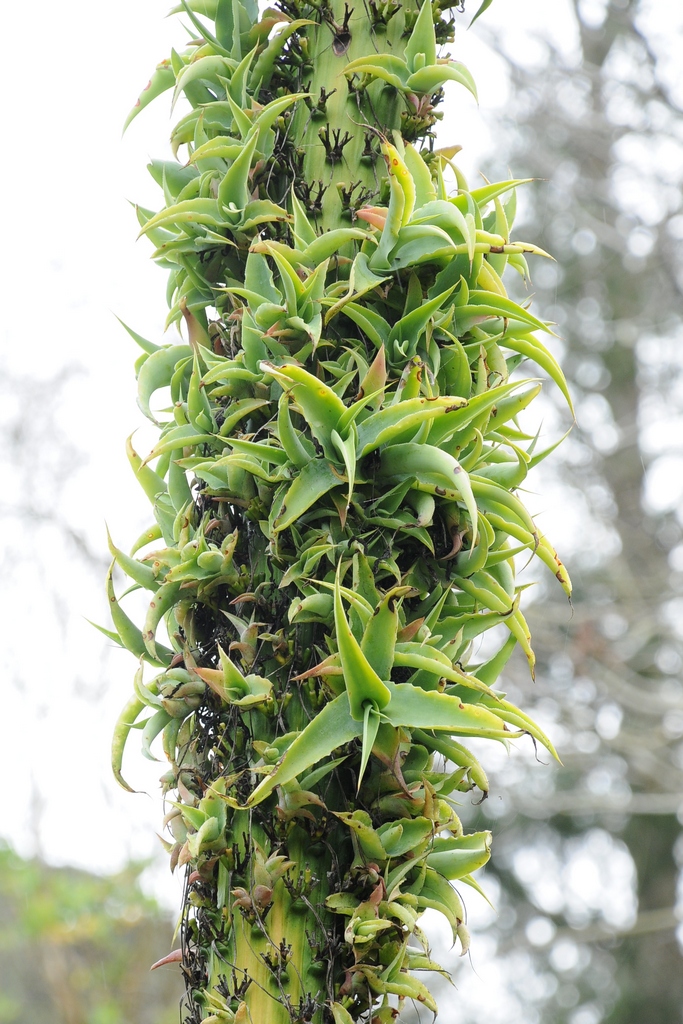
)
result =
(334, 501)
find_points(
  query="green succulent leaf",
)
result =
(454, 858)
(331, 728)
(317, 478)
(363, 685)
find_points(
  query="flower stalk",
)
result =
(334, 500)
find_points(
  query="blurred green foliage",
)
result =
(76, 948)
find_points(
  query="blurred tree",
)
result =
(76, 948)
(602, 134)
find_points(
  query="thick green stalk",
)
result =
(270, 939)
(340, 155)
(277, 946)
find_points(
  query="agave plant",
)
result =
(335, 516)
